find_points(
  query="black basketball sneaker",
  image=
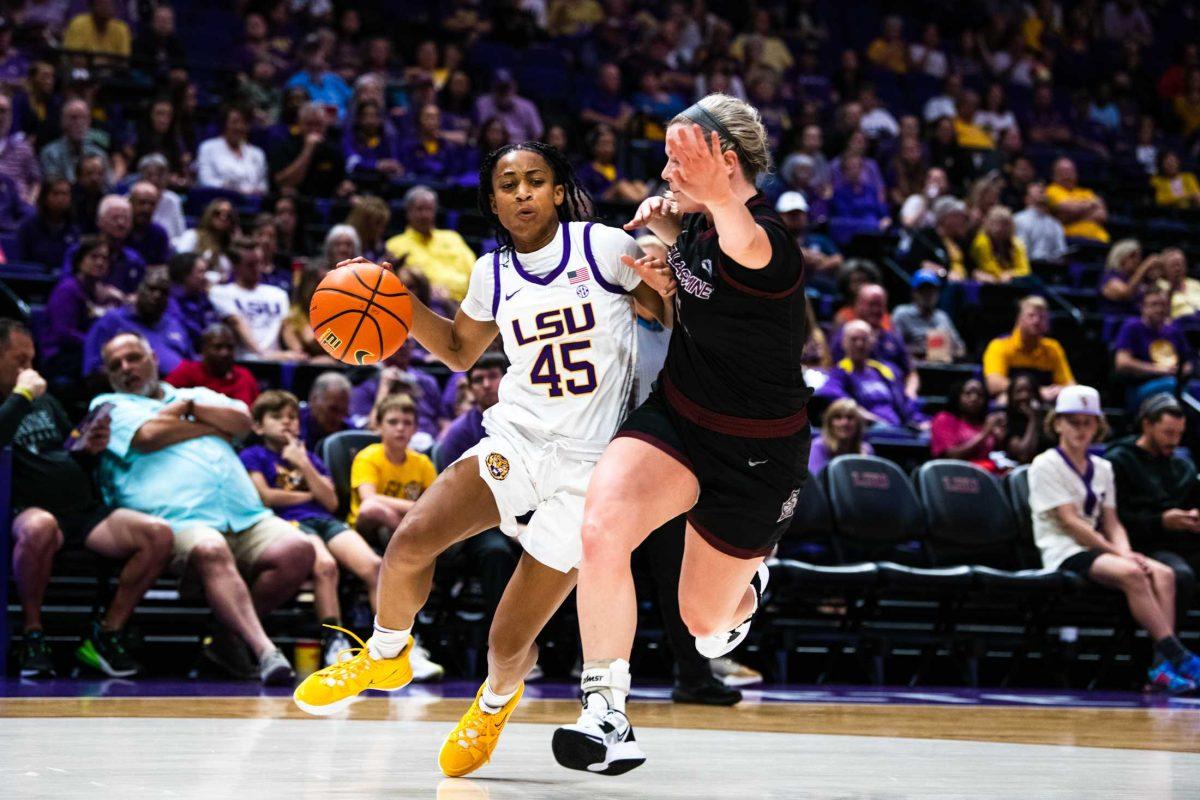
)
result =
(601, 741)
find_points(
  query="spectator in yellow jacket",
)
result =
(998, 254)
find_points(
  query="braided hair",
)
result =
(577, 203)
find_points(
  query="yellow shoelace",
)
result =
(346, 668)
(484, 727)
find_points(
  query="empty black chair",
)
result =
(338, 452)
(971, 522)
(1017, 485)
(876, 516)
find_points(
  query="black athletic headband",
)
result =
(701, 116)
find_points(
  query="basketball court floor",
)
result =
(78, 739)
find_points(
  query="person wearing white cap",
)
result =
(820, 253)
(1072, 496)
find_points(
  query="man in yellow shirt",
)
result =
(441, 255)
(387, 478)
(970, 135)
(1080, 210)
(1028, 350)
(889, 51)
(99, 32)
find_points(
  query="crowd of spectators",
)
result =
(928, 163)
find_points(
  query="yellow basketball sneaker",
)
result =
(470, 745)
(329, 690)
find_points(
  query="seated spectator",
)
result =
(927, 56)
(371, 142)
(325, 89)
(149, 318)
(114, 220)
(74, 304)
(229, 161)
(1150, 350)
(328, 409)
(1024, 429)
(889, 51)
(877, 387)
(908, 170)
(1073, 499)
(605, 105)
(970, 136)
(852, 276)
(1082, 212)
(877, 121)
(1045, 124)
(1185, 290)
(189, 295)
(466, 431)
(169, 211)
(295, 483)
(1028, 349)
(520, 116)
(307, 162)
(655, 104)
(1039, 230)
(60, 158)
(995, 118)
(277, 267)
(442, 255)
(99, 32)
(1160, 504)
(44, 237)
(399, 376)
(1126, 275)
(841, 434)
(89, 190)
(255, 310)
(600, 175)
(216, 369)
(59, 507)
(12, 208)
(370, 218)
(998, 255)
(870, 306)
(212, 238)
(158, 132)
(940, 249)
(926, 330)
(387, 478)
(965, 430)
(170, 455)
(821, 256)
(946, 154)
(18, 162)
(775, 54)
(855, 205)
(430, 153)
(158, 48)
(146, 237)
(1174, 188)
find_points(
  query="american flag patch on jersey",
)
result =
(578, 275)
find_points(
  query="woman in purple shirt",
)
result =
(842, 429)
(75, 303)
(370, 143)
(44, 237)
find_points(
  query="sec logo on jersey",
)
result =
(497, 465)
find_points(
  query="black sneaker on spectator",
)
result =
(37, 660)
(275, 670)
(710, 692)
(230, 654)
(105, 651)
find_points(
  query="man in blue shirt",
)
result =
(149, 316)
(169, 455)
(323, 86)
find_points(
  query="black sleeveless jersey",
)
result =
(734, 355)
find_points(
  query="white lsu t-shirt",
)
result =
(567, 323)
(264, 308)
(1053, 483)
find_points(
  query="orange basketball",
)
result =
(361, 314)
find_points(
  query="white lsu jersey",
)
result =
(569, 330)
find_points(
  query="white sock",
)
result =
(605, 683)
(387, 643)
(492, 703)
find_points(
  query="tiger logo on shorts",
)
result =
(497, 465)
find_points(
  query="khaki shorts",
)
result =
(247, 546)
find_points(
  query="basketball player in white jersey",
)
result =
(560, 292)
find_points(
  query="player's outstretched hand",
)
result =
(653, 210)
(361, 260)
(698, 166)
(654, 272)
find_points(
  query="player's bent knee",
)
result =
(699, 620)
(599, 543)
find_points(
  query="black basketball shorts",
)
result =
(749, 487)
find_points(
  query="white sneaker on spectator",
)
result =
(334, 644)
(731, 673)
(422, 668)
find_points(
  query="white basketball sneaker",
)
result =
(601, 741)
(721, 644)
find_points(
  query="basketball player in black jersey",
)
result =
(723, 438)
